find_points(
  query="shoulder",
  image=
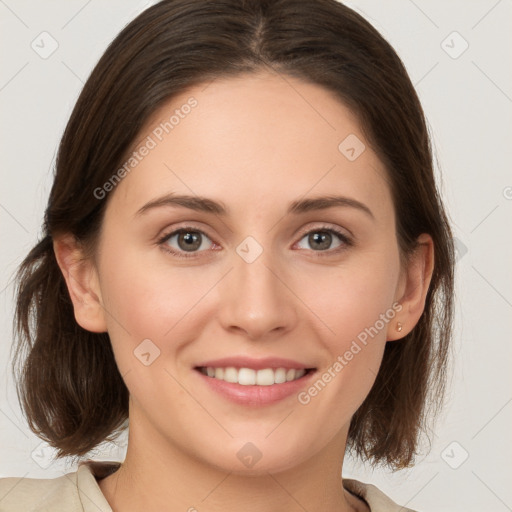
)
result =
(21, 494)
(76, 491)
(374, 497)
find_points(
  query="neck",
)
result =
(159, 475)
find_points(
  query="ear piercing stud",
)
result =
(398, 326)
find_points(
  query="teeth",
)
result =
(298, 374)
(246, 377)
(250, 377)
(230, 375)
(265, 377)
(280, 376)
(290, 375)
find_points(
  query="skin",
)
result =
(256, 143)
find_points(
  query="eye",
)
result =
(185, 240)
(321, 240)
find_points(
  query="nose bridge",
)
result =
(254, 298)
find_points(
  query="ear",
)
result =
(413, 287)
(82, 282)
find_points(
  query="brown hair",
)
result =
(68, 383)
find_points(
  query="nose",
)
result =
(256, 299)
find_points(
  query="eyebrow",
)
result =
(204, 204)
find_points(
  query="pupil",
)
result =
(321, 238)
(191, 241)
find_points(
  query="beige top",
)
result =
(79, 492)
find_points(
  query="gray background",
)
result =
(467, 97)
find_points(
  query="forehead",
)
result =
(254, 140)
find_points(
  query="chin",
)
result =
(253, 458)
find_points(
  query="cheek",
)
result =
(146, 299)
(354, 307)
(352, 299)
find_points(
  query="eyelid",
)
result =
(326, 227)
(184, 226)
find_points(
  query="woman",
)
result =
(246, 256)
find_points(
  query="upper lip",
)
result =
(255, 364)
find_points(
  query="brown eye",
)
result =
(189, 240)
(185, 241)
(321, 240)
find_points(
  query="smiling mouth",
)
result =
(251, 377)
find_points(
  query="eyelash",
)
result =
(347, 242)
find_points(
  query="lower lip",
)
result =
(256, 395)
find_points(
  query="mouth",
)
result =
(254, 382)
(254, 377)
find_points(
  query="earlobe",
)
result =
(415, 285)
(82, 282)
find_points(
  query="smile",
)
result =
(251, 381)
(251, 377)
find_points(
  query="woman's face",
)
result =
(263, 284)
